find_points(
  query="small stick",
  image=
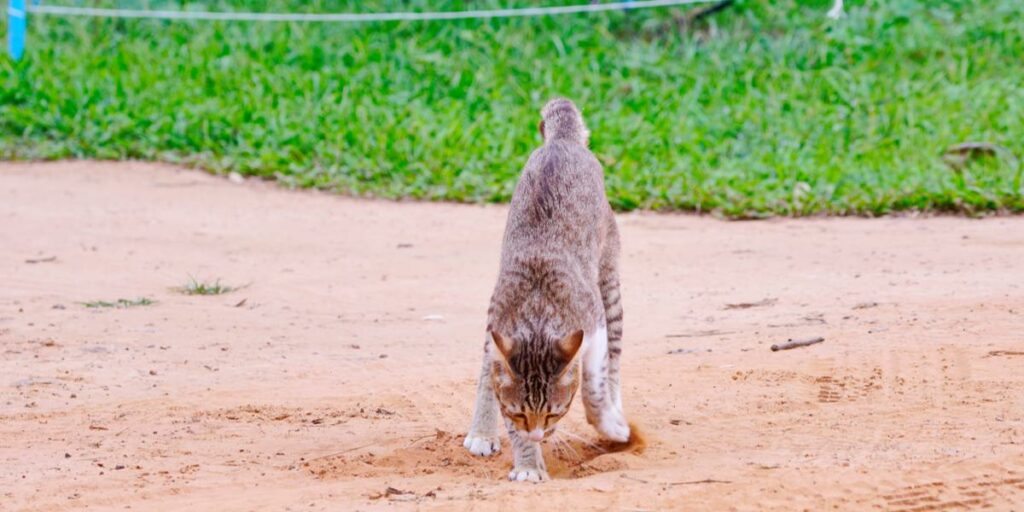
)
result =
(791, 343)
(335, 454)
(635, 479)
(418, 439)
(705, 481)
(691, 482)
(1005, 353)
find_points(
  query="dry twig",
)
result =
(791, 343)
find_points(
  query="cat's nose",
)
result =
(536, 435)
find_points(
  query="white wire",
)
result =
(61, 10)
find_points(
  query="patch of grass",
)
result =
(120, 303)
(766, 108)
(197, 287)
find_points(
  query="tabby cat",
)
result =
(556, 304)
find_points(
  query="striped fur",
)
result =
(555, 318)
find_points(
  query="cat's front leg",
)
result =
(527, 458)
(482, 438)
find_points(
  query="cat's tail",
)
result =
(561, 120)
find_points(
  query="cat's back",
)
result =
(558, 228)
(561, 191)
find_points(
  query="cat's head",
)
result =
(535, 387)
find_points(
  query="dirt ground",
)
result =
(346, 364)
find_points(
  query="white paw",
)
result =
(482, 446)
(528, 475)
(613, 426)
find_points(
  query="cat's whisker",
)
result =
(581, 439)
(551, 441)
(568, 447)
(559, 445)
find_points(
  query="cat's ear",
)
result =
(569, 345)
(504, 344)
(540, 128)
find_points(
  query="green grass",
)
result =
(120, 303)
(197, 287)
(767, 108)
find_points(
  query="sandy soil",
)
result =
(346, 365)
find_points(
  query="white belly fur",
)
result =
(595, 351)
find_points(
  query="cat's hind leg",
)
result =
(482, 438)
(612, 298)
(599, 399)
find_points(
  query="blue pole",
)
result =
(16, 28)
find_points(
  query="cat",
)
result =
(556, 305)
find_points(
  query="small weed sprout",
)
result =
(197, 287)
(120, 303)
